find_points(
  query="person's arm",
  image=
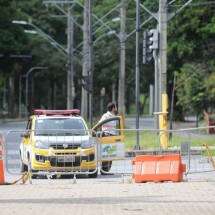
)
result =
(102, 118)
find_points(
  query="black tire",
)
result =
(33, 176)
(94, 174)
(24, 167)
(106, 166)
(53, 177)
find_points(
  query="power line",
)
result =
(195, 4)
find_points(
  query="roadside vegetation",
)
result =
(150, 140)
(191, 51)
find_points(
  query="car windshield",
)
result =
(60, 126)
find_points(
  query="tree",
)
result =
(190, 89)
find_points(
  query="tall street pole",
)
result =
(122, 38)
(70, 71)
(90, 73)
(162, 26)
(156, 89)
(20, 95)
(85, 69)
(26, 85)
(137, 74)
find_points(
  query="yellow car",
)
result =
(58, 141)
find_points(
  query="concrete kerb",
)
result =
(193, 151)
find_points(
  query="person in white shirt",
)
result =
(111, 112)
(108, 129)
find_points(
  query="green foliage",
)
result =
(191, 50)
(210, 88)
(190, 89)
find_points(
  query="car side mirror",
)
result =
(94, 133)
(25, 135)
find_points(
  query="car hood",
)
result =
(63, 139)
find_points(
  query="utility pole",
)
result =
(84, 97)
(70, 72)
(87, 60)
(162, 57)
(90, 64)
(137, 74)
(70, 44)
(122, 38)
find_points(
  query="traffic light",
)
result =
(153, 37)
(150, 43)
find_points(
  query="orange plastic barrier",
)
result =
(158, 168)
(2, 181)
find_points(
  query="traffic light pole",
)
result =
(137, 75)
(156, 87)
(162, 61)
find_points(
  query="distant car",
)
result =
(58, 141)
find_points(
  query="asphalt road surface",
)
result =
(109, 194)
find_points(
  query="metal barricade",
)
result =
(192, 143)
(12, 152)
(112, 157)
(73, 155)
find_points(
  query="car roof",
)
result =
(56, 117)
(69, 113)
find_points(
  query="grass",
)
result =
(151, 140)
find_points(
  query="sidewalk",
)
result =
(88, 196)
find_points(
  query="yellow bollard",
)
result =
(163, 123)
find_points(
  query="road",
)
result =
(110, 194)
(145, 123)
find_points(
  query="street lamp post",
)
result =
(42, 33)
(26, 84)
(67, 52)
(20, 95)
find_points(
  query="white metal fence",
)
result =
(70, 155)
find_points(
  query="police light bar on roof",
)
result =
(57, 112)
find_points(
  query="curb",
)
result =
(133, 153)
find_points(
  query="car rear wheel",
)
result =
(94, 174)
(106, 166)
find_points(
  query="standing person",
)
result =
(109, 129)
(111, 112)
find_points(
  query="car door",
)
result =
(111, 140)
(26, 141)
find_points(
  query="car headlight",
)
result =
(41, 145)
(87, 144)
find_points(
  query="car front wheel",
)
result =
(24, 167)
